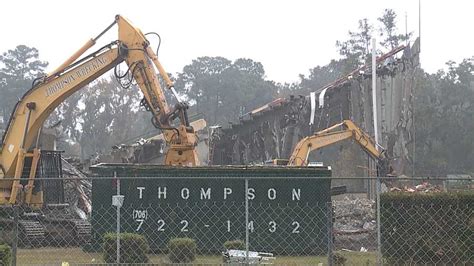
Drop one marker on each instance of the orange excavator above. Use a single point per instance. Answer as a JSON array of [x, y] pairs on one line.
[[20, 153], [334, 134]]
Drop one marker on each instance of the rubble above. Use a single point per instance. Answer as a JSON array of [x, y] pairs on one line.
[[77, 190], [152, 149], [354, 215], [142, 151], [424, 187], [354, 224], [357, 215]]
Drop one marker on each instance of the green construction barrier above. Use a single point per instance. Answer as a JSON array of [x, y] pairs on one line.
[[288, 206]]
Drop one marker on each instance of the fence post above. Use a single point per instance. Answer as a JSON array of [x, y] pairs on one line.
[[379, 239], [16, 215], [246, 221], [330, 233], [118, 219]]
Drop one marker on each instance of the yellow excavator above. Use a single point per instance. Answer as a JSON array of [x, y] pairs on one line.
[[336, 133], [20, 153]]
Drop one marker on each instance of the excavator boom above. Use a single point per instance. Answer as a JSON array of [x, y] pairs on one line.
[[20, 139], [333, 135], [39, 102]]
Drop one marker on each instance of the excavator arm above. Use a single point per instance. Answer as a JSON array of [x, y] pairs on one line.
[[20, 139], [333, 135]]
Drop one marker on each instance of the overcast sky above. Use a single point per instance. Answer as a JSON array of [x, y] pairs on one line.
[[287, 37]]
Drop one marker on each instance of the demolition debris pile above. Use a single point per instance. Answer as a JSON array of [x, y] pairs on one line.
[[424, 187], [354, 215], [354, 223], [357, 215], [77, 189]]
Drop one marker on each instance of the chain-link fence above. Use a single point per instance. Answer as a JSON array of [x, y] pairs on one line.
[[279, 221]]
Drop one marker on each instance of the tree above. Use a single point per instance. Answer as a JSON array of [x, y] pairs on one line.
[[222, 90], [100, 116], [444, 125], [358, 46], [201, 83], [18, 68], [246, 88], [286, 89], [323, 75], [391, 39]]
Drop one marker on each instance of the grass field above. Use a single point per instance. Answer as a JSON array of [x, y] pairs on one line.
[[74, 256]]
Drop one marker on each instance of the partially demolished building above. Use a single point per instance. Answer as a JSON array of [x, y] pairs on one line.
[[272, 130]]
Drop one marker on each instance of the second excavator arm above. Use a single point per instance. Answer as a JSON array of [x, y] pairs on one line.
[[333, 135]]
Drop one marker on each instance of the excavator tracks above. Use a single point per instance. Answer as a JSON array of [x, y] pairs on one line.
[[83, 230], [35, 230], [67, 232], [31, 233]]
